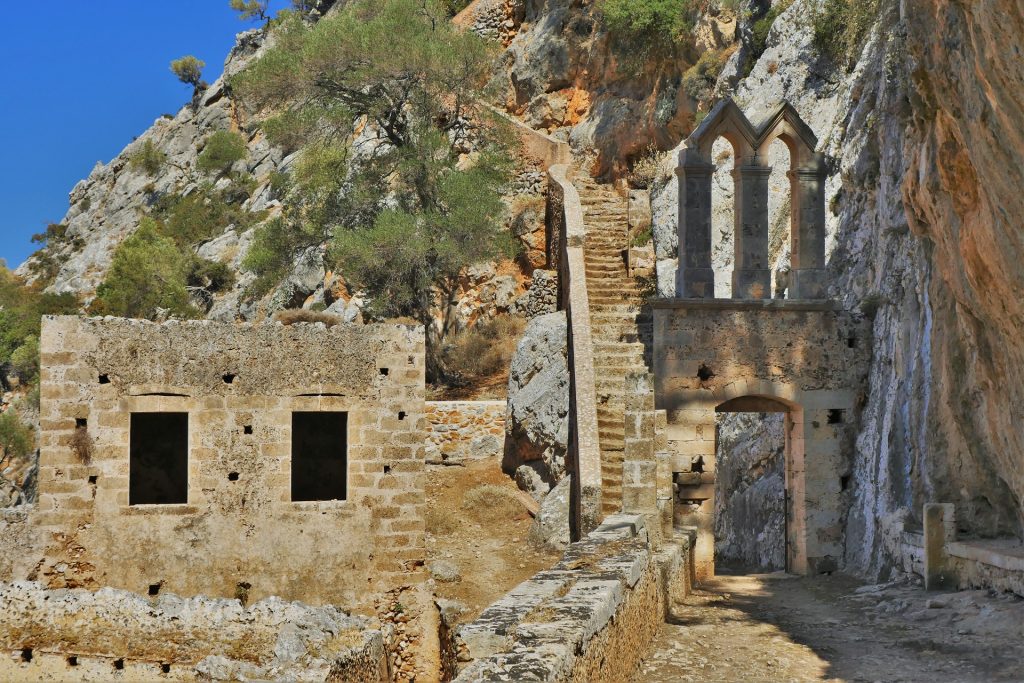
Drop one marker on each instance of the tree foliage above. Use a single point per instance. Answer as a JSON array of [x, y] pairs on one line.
[[16, 438], [147, 278], [251, 9], [21, 309], [189, 70], [386, 177], [221, 150]]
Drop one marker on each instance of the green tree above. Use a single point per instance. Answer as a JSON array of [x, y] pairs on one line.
[[189, 70], [16, 438], [147, 278], [251, 9], [650, 24], [147, 158], [222, 149], [406, 212], [21, 309]]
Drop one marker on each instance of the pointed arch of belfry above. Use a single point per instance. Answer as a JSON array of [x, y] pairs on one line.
[[751, 277]]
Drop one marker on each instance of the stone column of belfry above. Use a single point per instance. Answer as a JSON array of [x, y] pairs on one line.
[[807, 192], [752, 275], [695, 278]]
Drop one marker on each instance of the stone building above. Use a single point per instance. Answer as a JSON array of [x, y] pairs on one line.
[[230, 460]]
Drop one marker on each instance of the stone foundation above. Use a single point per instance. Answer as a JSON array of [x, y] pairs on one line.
[[78, 636]]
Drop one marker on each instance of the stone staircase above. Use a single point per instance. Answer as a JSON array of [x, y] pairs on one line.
[[622, 329]]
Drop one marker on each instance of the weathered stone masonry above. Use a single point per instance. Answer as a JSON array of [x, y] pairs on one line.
[[464, 429], [239, 531]]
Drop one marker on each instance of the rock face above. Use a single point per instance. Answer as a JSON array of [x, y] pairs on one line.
[[550, 528], [750, 489], [537, 416], [925, 137]]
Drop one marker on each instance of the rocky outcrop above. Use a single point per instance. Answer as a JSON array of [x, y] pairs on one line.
[[537, 416], [550, 528], [750, 490]]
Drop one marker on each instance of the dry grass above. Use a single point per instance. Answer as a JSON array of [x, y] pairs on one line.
[[491, 503], [484, 350], [81, 445], [440, 523], [302, 315]]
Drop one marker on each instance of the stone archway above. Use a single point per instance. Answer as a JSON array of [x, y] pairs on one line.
[[801, 357]]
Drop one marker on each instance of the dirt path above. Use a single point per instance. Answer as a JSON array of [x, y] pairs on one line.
[[778, 628]]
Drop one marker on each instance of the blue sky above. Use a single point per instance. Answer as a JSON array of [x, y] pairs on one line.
[[81, 80]]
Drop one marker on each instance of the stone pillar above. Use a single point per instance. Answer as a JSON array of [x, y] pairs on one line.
[[666, 494], [695, 277], [639, 465], [939, 529], [692, 438], [807, 228], [752, 275]]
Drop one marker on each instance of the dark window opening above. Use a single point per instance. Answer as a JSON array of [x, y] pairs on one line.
[[836, 416], [387, 469], [697, 464], [104, 379], [165, 668], [844, 482], [704, 373], [401, 414], [247, 429], [26, 654], [93, 478], [229, 378], [232, 476], [154, 589], [118, 664], [851, 342], [384, 372], [72, 661], [319, 455], [81, 423], [158, 472]]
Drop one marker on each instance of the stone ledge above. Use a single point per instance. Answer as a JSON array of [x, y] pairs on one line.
[[1008, 554], [747, 304]]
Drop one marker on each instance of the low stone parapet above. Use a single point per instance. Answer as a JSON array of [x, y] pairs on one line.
[[461, 430], [590, 617]]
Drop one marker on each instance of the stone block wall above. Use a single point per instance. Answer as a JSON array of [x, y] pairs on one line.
[[461, 430], [806, 359], [239, 531], [591, 617]]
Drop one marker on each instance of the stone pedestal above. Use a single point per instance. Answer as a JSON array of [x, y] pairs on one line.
[[939, 530]]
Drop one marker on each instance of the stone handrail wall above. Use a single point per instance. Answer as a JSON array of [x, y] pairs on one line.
[[591, 617], [544, 148], [949, 562], [566, 229], [462, 430]]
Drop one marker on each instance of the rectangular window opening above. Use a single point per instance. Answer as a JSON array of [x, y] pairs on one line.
[[158, 471], [319, 456]]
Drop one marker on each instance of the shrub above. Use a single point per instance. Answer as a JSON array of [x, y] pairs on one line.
[[17, 439], [146, 279], [251, 9], [25, 360], [763, 26], [302, 315], [655, 23], [645, 168], [484, 350], [81, 445], [147, 158], [222, 149], [212, 276], [699, 80], [493, 504], [189, 70], [21, 308], [841, 27], [200, 215]]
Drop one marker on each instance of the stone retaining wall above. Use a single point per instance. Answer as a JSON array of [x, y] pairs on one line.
[[463, 430], [77, 635], [591, 617]]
